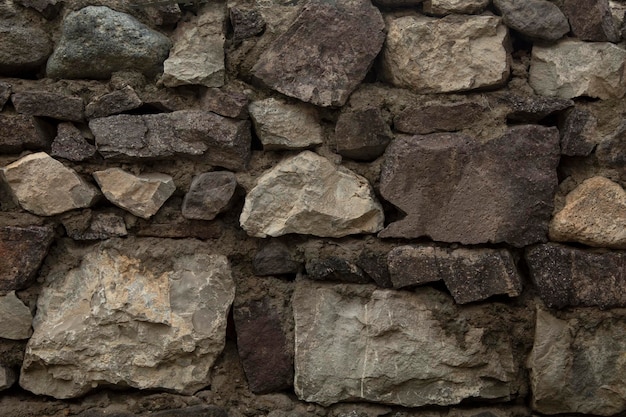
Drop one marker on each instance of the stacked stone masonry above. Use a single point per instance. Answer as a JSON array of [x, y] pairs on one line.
[[309, 208]]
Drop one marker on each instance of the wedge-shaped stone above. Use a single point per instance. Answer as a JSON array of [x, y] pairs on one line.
[[359, 342], [307, 194], [142, 313], [16, 318], [44, 186], [419, 55]]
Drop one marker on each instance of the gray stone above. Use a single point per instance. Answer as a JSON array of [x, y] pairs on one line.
[[97, 41], [16, 318], [307, 194], [611, 152], [48, 8], [90, 225], [374, 264], [456, 189], [246, 23], [5, 93], [115, 102], [47, 104], [533, 109], [225, 103], [436, 65], [281, 125], [536, 19], [577, 366], [141, 313], [578, 132], [555, 70], [275, 258], [222, 142], [438, 117], [71, 144], [209, 194], [142, 195], [445, 7], [591, 20], [594, 214], [7, 378], [23, 49], [570, 277], [362, 135], [335, 269], [358, 342], [20, 132], [45, 187], [308, 63], [197, 57]]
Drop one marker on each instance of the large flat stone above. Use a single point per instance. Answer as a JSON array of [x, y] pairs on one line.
[[16, 318], [48, 104]]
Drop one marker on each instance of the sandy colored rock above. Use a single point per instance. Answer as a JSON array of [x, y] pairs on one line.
[[16, 318], [536, 19], [445, 7]]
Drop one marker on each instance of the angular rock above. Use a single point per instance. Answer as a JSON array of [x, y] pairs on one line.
[[23, 49], [594, 214], [591, 20], [95, 43], [209, 194], [577, 366], [22, 250], [142, 195], [275, 258], [222, 142], [374, 264], [307, 194], [45, 187], [414, 265], [7, 378], [5, 93], [71, 144], [555, 70], [362, 135], [445, 7], [48, 8], [438, 117], [115, 102], [532, 109], [308, 63], [578, 132], [335, 269], [16, 318], [246, 23], [357, 342], [91, 225], [197, 57], [21, 132], [570, 277], [456, 189], [280, 125], [141, 313], [47, 104], [536, 19], [436, 65], [225, 103], [611, 152]]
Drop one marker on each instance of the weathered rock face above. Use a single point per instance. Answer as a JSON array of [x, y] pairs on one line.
[[554, 69], [611, 152], [225, 103], [334, 268], [357, 342], [578, 133], [246, 23], [210, 194], [7, 378], [23, 49], [452, 188], [591, 20], [307, 194], [70, 144], [532, 109], [435, 117], [5, 93], [91, 225], [280, 125], [223, 142], [142, 313], [48, 8], [198, 53], [576, 364], [44, 186], [53, 105], [16, 318], [95, 43], [362, 135], [537, 19], [568, 276], [445, 7], [308, 63], [142, 195], [594, 214], [115, 102], [418, 53], [275, 258], [21, 132]]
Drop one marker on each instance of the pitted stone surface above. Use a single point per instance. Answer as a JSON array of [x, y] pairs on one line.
[[578, 132], [53, 105], [21, 132], [115, 102], [70, 144], [23, 49]]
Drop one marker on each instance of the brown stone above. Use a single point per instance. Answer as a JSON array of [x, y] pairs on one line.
[[71, 144], [374, 264], [578, 131], [209, 194], [225, 103], [438, 117], [115, 102], [611, 152], [47, 104], [5, 93], [20, 132], [535, 19], [23, 49], [532, 109], [591, 20], [362, 135], [275, 258], [90, 225]]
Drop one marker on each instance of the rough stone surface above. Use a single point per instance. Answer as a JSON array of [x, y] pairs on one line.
[[44, 186], [5, 93], [142, 195], [335, 269], [611, 151], [91, 225], [567, 276], [48, 8], [47, 104], [438, 117], [275, 258], [456, 189], [374, 264], [577, 366], [7, 378], [22, 250], [578, 132], [70, 144], [222, 142], [414, 265], [308, 63], [225, 103], [198, 54], [307, 194], [594, 214], [115, 102], [397, 3], [246, 23], [536, 19], [21, 132], [362, 135], [142, 313], [555, 69], [209, 194], [97, 41], [532, 109], [281, 125], [433, 64], [358, 342], [591, 20], [445, 7], [23, 49], [16, 318]]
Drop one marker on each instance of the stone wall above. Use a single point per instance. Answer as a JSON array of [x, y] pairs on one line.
[[312, 208]]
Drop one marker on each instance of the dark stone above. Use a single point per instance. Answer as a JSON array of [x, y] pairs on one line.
[[570, 277], [22, 250], [309, 63], [170, 223], [12, 352], [48, 8], [21, 132], [89, 225], [374, 264], [457, 189], [274, 259], [591, 20], [362, 135], [70, 144], [536, 19], [413, 265], [23, 49], [193, 411], [222, 142], [532, 109], [225, 103], [577, 132], [105, 413], [5, 93], [209, 194], [438, 117], [397, 3], [335, 269], [611, 152], [246, 23], [115, 102], [263, 346], [53, 105]]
